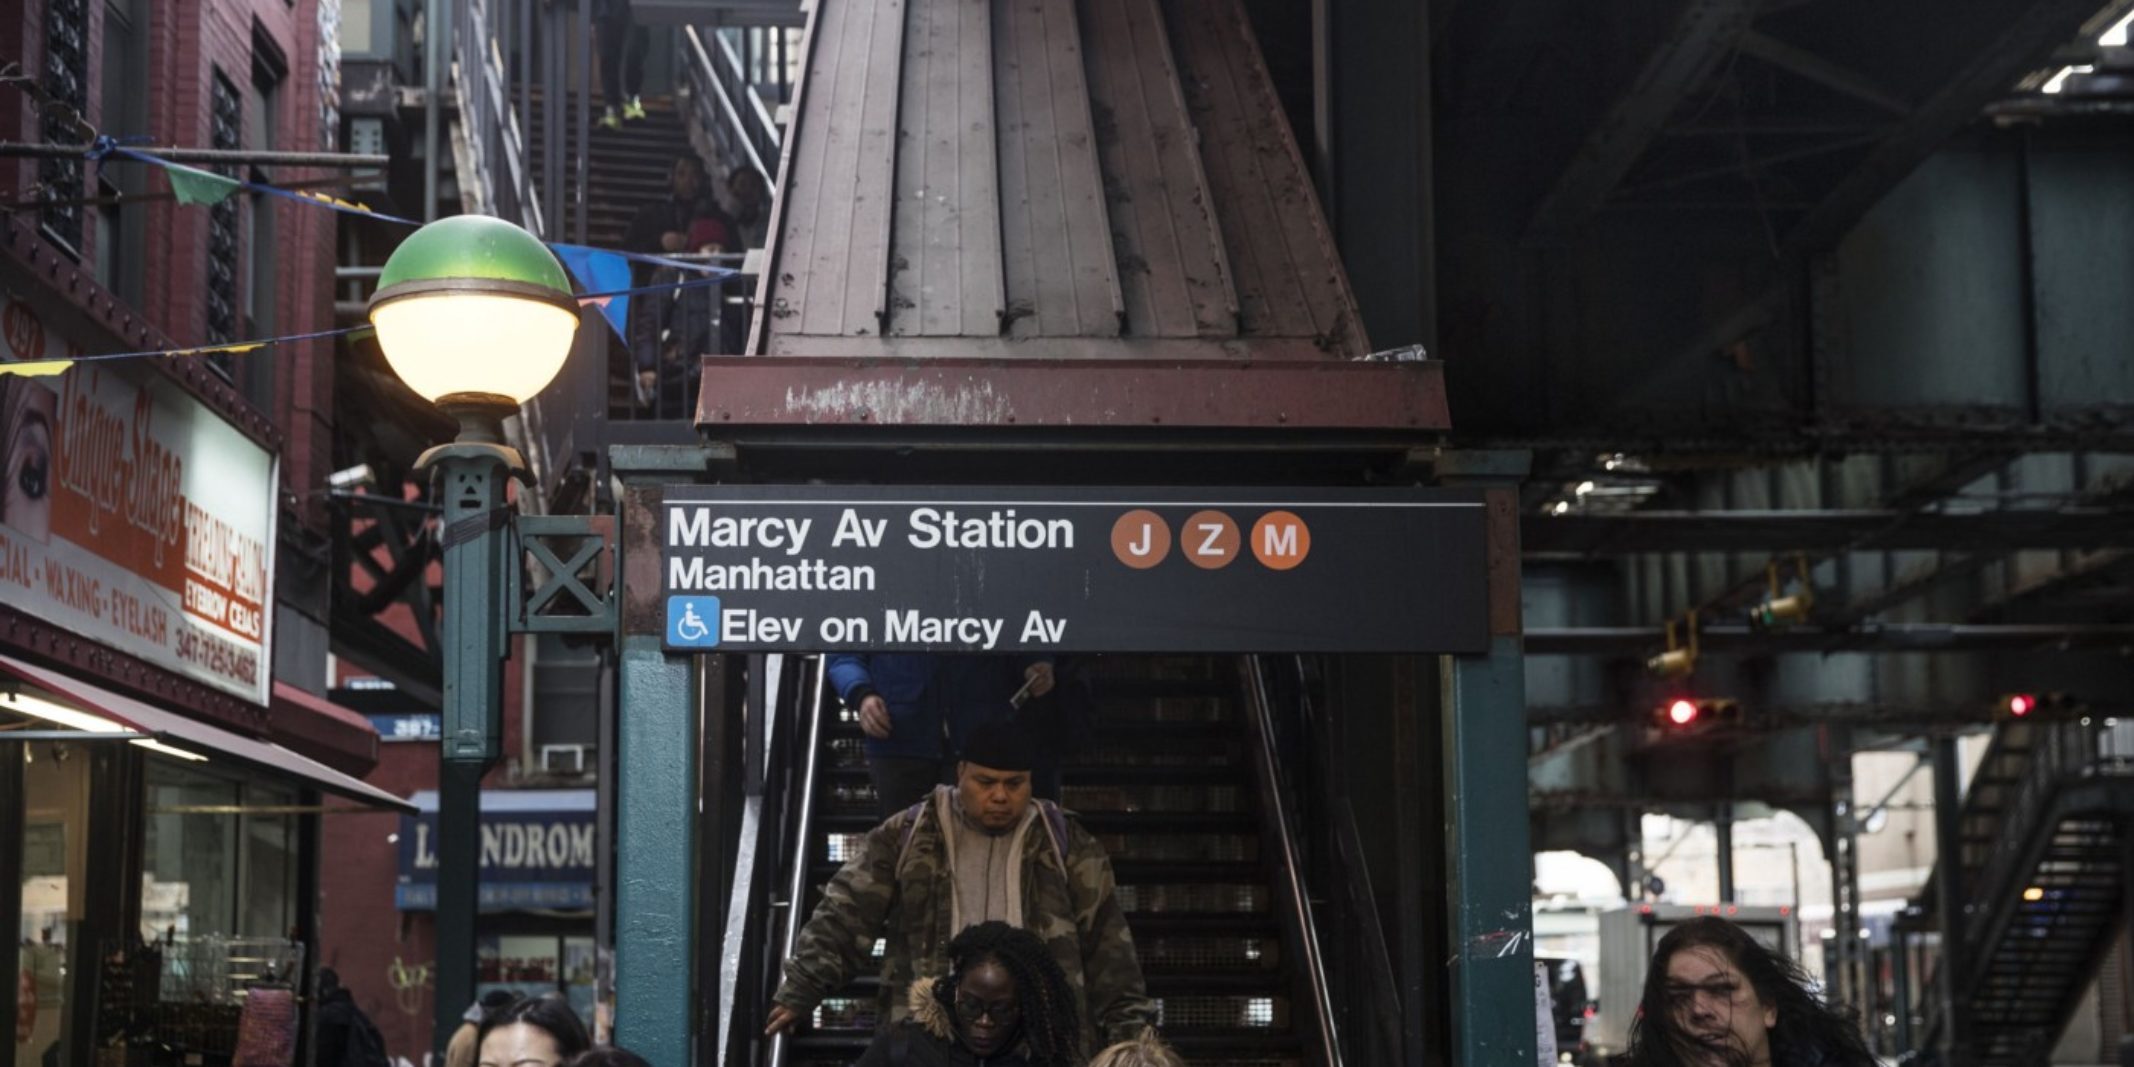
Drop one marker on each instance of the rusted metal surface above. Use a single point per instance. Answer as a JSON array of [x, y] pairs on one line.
[[1288, 274], [1172, 270], [1308, 394], [946, 278], [643, 611], [1021, 180]]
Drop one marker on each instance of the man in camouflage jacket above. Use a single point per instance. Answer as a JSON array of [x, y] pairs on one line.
[[902, 887]]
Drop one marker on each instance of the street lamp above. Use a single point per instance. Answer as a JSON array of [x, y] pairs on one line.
[[476, 315]]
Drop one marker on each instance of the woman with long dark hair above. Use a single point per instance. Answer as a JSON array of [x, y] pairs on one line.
[[538, 1031], [1715, 997], [1004, 1003]]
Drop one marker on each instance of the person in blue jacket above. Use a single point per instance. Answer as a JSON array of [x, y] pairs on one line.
[[910, 704]]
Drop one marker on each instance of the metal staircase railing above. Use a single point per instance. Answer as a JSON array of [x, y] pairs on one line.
[[2044, 835], [1297, 915], [726, 108], [492, 139]]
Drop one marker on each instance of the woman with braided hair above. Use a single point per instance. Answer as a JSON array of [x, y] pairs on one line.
[[1004, 1003]]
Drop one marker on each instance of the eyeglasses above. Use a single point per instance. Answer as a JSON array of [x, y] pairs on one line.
[[973, 1010]]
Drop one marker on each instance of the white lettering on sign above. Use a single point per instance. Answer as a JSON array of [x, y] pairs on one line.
[[693, 574], [519, 845], [909, 627], [1211, 533], [931, 528], [853, 530], [698, 528], [742, 624], [1039, 628]]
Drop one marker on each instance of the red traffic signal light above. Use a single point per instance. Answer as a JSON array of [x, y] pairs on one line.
[[2049, 705], [1683, 712]]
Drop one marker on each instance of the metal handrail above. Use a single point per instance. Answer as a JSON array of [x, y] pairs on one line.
[[2061, 753], [496, 144], [763, 129], [704, 78], [1292, 881], [803, 830]]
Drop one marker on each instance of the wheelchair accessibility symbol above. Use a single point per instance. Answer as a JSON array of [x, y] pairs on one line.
[[693, 621]]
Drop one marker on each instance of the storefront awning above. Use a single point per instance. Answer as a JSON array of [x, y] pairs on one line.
[[199, 738]]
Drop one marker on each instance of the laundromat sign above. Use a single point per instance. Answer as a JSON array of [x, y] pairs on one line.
[[133, 515], [818, 568]]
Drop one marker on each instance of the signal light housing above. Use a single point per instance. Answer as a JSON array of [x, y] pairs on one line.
[[1683, 714], [2021, 707]]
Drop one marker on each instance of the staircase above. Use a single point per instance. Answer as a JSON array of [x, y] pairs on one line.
[[2043, 854], [1167, 785], [627, 168]]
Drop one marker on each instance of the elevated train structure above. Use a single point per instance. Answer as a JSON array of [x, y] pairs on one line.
[[1718, 302]]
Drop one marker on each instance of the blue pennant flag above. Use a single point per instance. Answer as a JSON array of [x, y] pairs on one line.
[[599, 271]]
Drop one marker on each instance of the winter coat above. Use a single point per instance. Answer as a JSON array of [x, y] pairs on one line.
[[904, 893]]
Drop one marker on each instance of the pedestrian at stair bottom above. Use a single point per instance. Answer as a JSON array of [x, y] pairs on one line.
[[1716, 997], [910, 703], [976, 852], [1003, 1003], [622, 61]]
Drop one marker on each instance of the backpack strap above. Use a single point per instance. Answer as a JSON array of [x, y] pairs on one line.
[[1055, 821], [912, 815]]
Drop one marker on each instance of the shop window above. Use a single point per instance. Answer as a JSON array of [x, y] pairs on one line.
[[210, 867], [531, 965], [270, 68], [55, 809], [66, 77], [225, 131], [122, 229]]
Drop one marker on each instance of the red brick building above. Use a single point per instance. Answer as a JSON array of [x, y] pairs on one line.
[[164, 530]]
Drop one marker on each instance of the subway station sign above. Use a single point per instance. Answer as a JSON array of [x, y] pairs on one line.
[[903, 568]]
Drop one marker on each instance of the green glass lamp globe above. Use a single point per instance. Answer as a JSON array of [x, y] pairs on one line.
[[474, 312]]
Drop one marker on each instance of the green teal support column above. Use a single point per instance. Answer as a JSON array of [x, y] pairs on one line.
[[655, 793], [657, 715], [1489, 857], [1488, 841]]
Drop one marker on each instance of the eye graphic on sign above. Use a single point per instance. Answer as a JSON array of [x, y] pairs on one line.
[[1281, 540], [1141, 539], [1209, 539]]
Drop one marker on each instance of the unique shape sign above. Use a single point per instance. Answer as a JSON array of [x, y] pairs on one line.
[[1050, 569]]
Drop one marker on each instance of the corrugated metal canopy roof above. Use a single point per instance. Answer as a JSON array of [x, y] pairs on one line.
[[1047, 178]]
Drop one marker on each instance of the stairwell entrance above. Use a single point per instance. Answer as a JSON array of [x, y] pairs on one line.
[[1317, 819]]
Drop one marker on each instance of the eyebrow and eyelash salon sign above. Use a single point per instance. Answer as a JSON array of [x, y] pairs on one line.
[[133, 515], [903, 568]]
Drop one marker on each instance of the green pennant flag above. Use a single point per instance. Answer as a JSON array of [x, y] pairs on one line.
[[200, 187]]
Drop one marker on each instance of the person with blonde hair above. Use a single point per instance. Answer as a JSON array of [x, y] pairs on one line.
[[1148, 1050]]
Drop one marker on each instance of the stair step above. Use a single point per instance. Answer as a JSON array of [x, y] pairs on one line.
[[1132, 872]]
